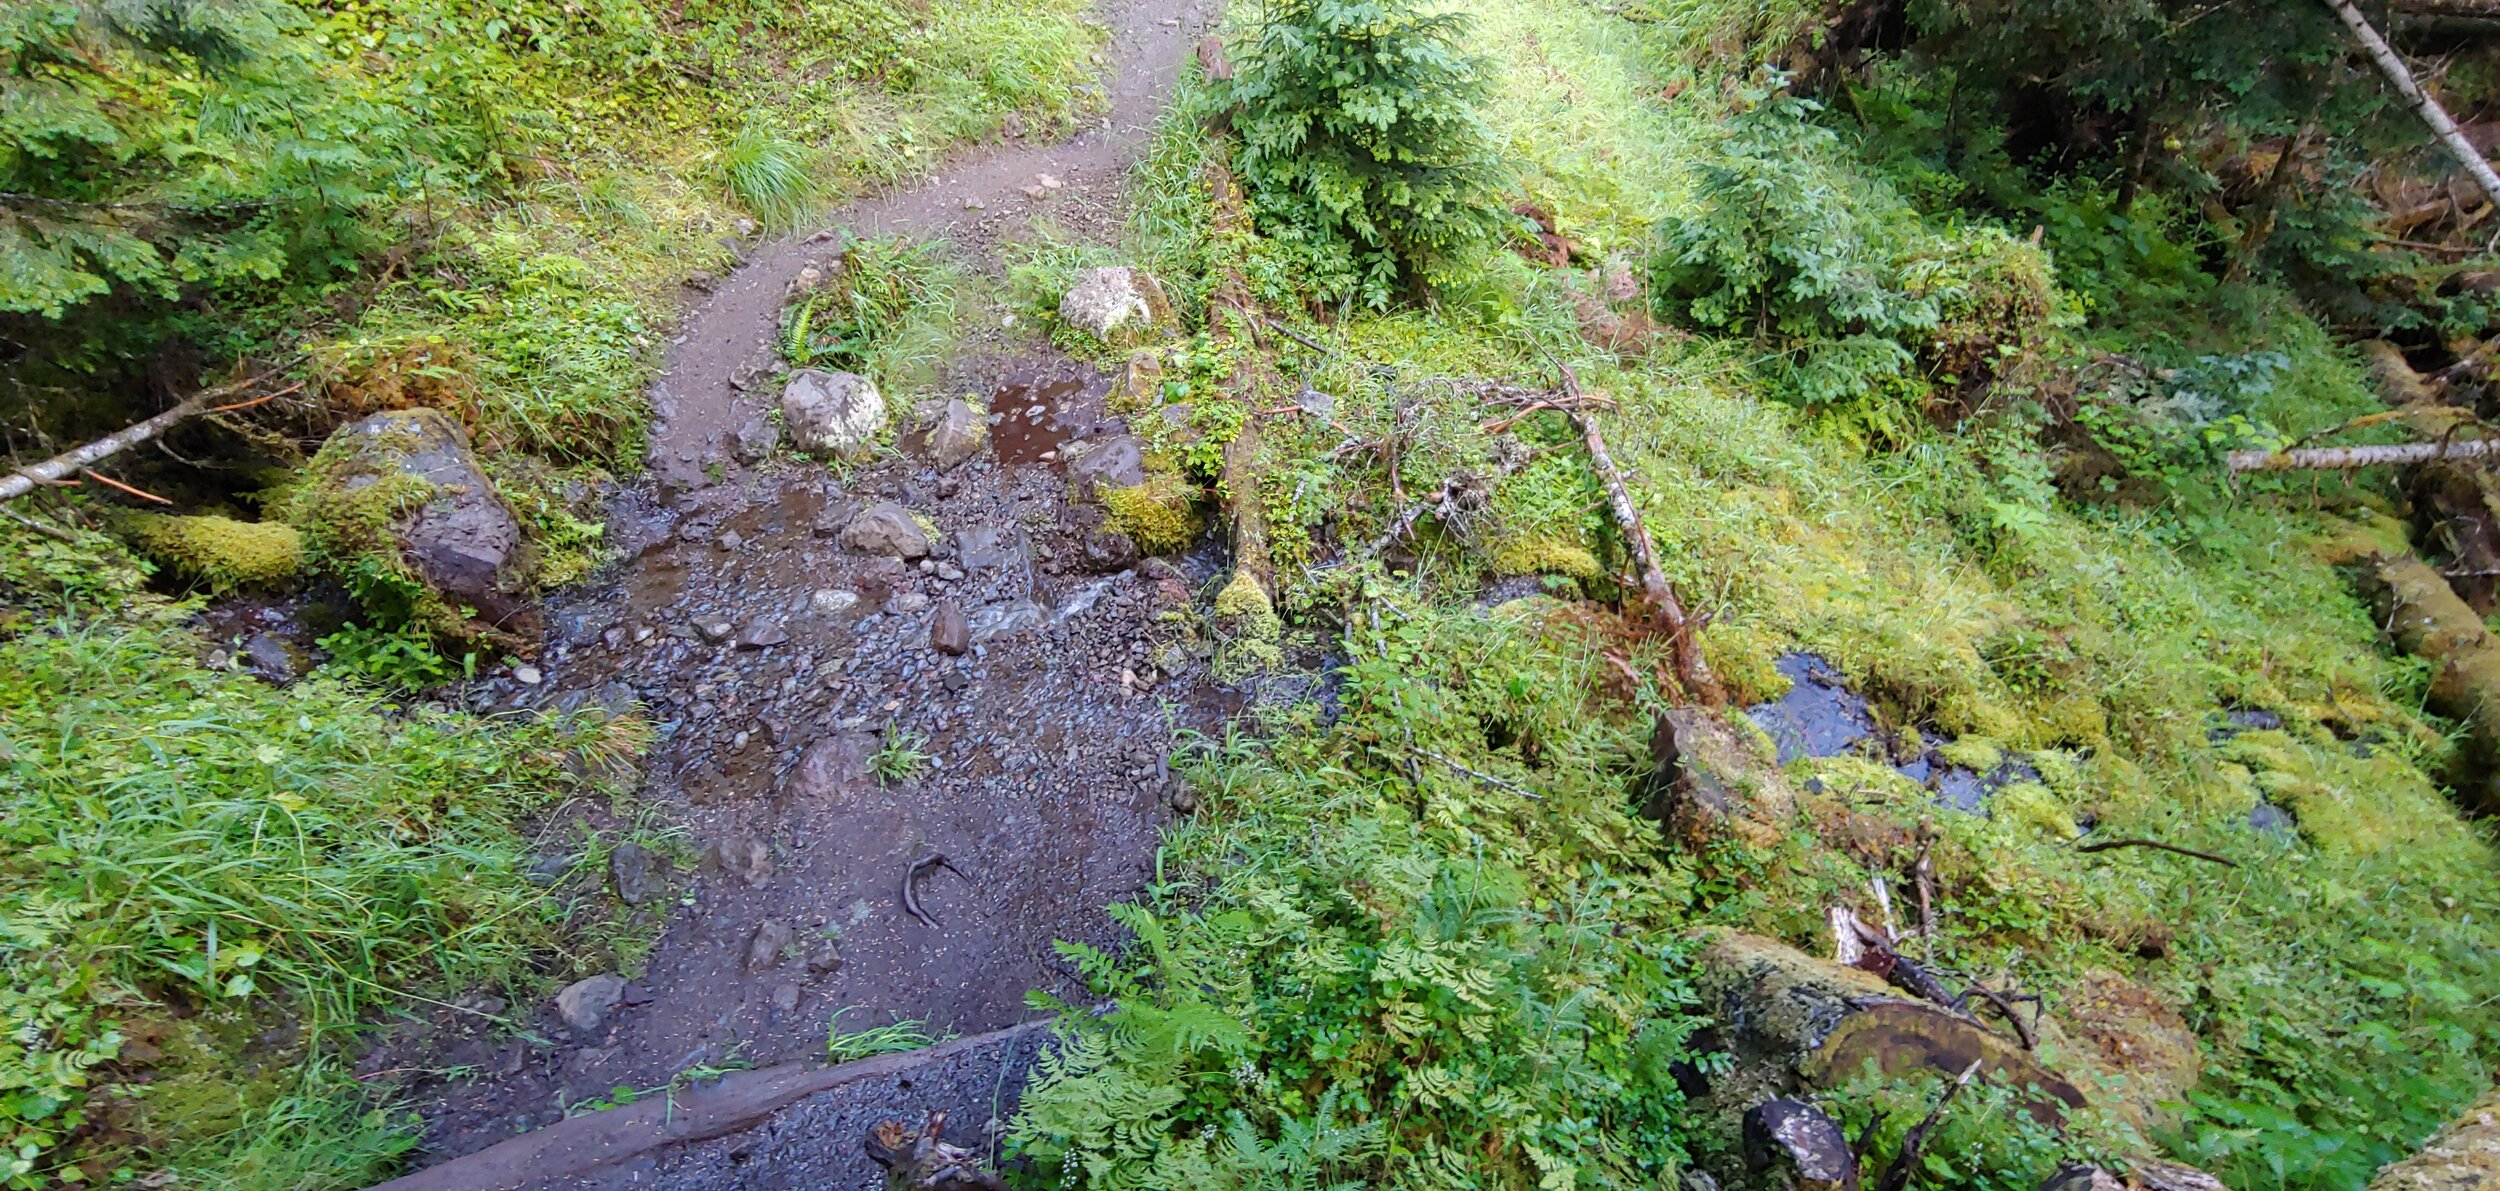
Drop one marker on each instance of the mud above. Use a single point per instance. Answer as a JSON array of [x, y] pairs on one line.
[[779, 666]]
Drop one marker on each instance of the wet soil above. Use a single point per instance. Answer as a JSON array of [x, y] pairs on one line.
[[779, 666]]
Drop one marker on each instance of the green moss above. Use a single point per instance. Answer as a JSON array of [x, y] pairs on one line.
[[1160, 515], [220, 551], [1245, 608], [1976, 753], [1542, 554], [2031, 805], [1746, 659]]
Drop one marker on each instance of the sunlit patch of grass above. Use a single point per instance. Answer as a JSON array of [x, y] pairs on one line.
[[766, 174]]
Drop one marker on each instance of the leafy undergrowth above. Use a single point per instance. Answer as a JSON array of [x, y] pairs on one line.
[[1423, 941], [210, 886]]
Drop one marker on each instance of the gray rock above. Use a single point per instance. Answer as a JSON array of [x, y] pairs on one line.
[[764, 946], [949, 632], [714, 629], [886, 529], [831, 601], [763, 633], [908, 603], [629, 870], [1792, 1144], [1109, 550], [786, 996], [824, 959], [757, 439], [585, 1004], [744, 857], [986, 546], [1117, 305], [1116, 462], [840, 765], [835, 413], [463, 542], [1008, 619], [957, 435], [272, 658]]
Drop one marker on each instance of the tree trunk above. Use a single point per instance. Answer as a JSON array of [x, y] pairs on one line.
[[2423, 105], [2428, 620], [1691, 669], [1248, 602], [2347, 458]]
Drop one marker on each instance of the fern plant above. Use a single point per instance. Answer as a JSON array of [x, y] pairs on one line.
[[1361, 147]]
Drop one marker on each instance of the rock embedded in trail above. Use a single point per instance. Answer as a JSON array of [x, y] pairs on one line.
[[764, 946], [1108, 550], [831, 602], [837, 765], [629, 871], [949, 632], [744, 857], [886, 529], [756, 440], [1120, 306], [585, 1004], [834, 413], [986, 546], [763, 632], [957, 435]]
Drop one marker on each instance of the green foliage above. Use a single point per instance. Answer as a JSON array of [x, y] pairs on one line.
[[1371, 969], [1361, 146], [894, 1037], [404, 657], [887, 312], [902, 757], [176, 833], [767, 175], [1985, 1141]]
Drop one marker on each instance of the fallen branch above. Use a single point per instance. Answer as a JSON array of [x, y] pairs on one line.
[[1691, 669], [2107, 845], [1897, 1173], [59, 467], [2450, 136], [2346, 458], [110, 482], [1499, 783]]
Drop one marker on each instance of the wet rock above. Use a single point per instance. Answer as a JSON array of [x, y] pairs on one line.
[[833, 767], [835, 413], [1002, 620], [763, 633], [1116, 305], [463, 542], [1109, 550], [786, 996], [272, 658], [764, 946], [886, 529], [949, 632], [629, 872], [987, 546], [714, 629], [585, 1004], [756, 440], [1790, 1144], [831, 602], [1115, 462], [744, 857], [958, 434]]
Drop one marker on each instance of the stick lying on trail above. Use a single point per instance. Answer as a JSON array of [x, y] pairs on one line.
[[911, 901]]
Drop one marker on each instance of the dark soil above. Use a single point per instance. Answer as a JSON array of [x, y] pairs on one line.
[[776, 663]]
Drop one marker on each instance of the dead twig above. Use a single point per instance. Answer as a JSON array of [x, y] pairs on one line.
[[1897, 1173], [2109, 845], [109, 481], [1297, 336], [81, 458], [911, 901], [1499, 783]]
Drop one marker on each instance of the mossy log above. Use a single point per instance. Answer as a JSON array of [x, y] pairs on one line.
[[2466, 1154], [1248, 604], [2429, 620]]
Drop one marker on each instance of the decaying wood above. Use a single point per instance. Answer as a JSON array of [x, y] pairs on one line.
[[1231, 313], [1897, 1173], [2107, 845], [918, 1161], [1691, 669], [2401, 77], [2429, 620]]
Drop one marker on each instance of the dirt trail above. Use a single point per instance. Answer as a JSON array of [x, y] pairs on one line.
[[775, 664]]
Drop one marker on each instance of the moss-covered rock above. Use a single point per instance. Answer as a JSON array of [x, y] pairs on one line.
[[220, 552], [397, 507], [1160, 515]]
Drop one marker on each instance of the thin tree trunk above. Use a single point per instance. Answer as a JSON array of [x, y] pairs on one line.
[[1691, 669], [2423, 105], [2347, 458]]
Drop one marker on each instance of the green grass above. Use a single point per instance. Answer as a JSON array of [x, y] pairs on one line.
[[221, 885], [1264, 1024], [895, 1037], [767, 175]]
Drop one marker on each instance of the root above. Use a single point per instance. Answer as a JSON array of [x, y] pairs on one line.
[[911, 900]]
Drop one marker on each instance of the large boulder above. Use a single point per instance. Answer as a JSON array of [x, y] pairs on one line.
[[1118, 306], [886, 529], [1106, 463], [832, 413], [1791, 1145], [402, 492]]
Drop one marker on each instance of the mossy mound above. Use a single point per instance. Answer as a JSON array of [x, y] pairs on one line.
[[1159, 515], [221, 552], [1543, 554]]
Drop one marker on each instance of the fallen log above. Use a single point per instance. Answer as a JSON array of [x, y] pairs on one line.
[[1247, 604], [2347, 458], [2429, 620]]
